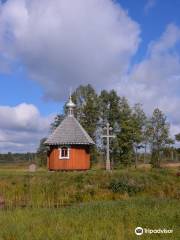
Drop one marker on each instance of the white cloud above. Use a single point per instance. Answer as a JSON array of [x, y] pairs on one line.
[[167, 41], [155, 81], [21, 127], [65, 43], [149, 5]]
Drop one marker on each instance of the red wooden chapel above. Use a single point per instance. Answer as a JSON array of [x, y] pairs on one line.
[[69, 144]]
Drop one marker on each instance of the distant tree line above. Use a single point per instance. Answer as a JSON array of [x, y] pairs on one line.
[[17, 157], [135, 132]]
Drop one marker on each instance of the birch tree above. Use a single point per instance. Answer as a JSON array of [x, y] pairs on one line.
[[159, 136]]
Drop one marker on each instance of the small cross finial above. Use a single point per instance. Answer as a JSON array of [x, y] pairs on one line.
[[70, 92]]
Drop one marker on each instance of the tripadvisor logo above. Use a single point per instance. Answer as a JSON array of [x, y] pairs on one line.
[[139, 231]]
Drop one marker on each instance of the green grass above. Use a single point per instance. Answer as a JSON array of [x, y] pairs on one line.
[[55, 189], [88, 205], [111, 220]]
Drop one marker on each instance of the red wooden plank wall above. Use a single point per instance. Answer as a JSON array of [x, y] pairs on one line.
[[79, 159]]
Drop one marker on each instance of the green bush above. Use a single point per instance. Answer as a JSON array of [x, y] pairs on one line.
[[125, 186]]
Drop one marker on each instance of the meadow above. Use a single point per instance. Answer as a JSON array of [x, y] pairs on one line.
[[88, 205]]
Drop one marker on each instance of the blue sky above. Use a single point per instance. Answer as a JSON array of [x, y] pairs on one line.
[[37, 69], [21, 88], [18, 88], [153, 21]]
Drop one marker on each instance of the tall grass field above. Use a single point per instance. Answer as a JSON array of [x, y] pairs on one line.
[[89, 205]]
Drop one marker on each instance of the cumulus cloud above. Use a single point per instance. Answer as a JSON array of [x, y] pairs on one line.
[[21, 127], [65, 43], [156, 79]]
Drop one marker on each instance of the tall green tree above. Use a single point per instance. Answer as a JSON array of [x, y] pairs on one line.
[[139, 118], [87, 108], [138, 124], [159, 136], [87, 113], [109, 107], [126, 134]]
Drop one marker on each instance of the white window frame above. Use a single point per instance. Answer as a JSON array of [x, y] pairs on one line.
[[60, 153]]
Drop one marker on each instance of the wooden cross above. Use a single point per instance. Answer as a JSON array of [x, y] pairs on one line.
[[108, 136]]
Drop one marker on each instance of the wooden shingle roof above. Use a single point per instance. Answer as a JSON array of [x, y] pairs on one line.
[[69, 132]]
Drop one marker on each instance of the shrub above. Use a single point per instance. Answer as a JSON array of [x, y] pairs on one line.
[[125, 186]]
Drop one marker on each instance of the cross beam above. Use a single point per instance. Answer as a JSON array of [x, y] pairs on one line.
[[108, 136]]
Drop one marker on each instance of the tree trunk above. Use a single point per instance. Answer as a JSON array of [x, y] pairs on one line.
[[136, 157], [145, 154]]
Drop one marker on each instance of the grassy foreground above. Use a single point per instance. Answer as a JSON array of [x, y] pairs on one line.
[[88, 205], [112, 220], [56, 189]]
